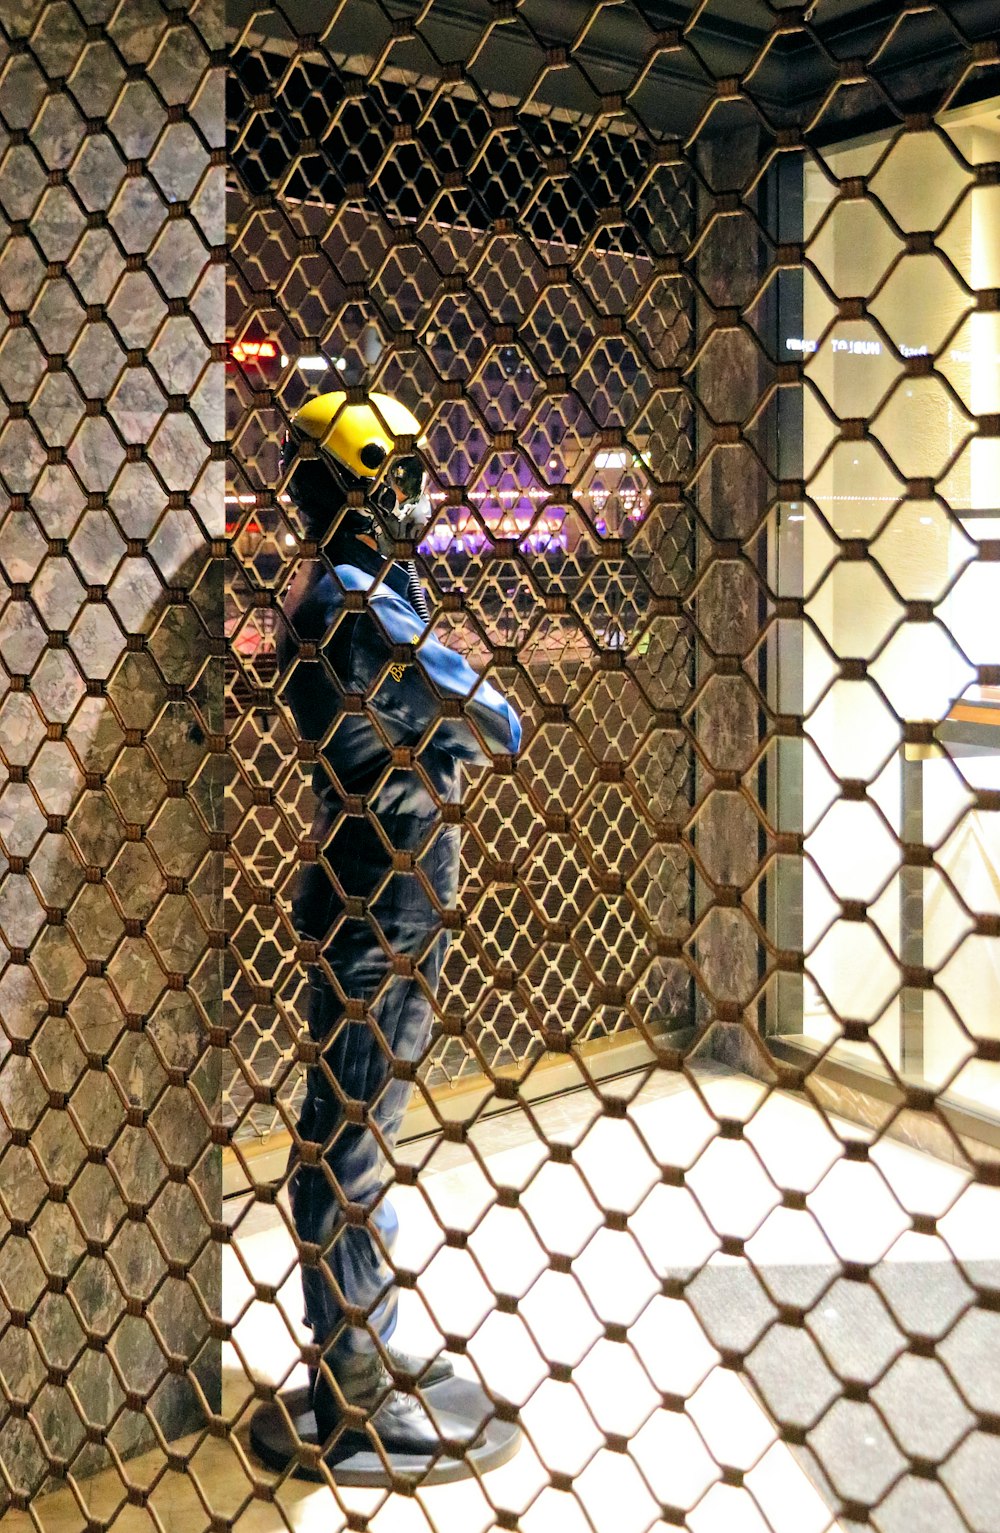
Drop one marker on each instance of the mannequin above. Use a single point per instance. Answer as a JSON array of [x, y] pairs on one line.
[[372, 1024]]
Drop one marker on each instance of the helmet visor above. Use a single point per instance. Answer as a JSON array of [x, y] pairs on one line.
[[408, 478], [401, 501]]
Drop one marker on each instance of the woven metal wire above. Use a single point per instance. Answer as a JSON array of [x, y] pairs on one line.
[[112, 188], [699, 305]]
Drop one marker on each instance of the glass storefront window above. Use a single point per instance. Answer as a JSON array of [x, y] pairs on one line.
[[898, 611]]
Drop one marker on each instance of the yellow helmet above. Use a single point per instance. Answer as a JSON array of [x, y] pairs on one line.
[[359, 436]]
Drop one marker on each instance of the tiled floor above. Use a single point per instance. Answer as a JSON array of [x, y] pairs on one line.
[[852, 1209]]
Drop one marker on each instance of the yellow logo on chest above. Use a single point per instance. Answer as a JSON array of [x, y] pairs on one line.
[[398, 668]]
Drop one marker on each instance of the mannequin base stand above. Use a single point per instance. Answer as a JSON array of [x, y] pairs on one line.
[[281, 1439]]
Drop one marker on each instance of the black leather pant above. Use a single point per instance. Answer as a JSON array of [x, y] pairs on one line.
[[340, 1204]]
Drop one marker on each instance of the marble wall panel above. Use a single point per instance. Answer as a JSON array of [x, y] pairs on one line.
[[111, 194], [732, 491]]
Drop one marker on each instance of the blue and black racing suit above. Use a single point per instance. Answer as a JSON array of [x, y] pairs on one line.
[[362, 674]]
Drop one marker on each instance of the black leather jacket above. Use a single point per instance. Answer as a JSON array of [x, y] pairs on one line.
[[383, 681]]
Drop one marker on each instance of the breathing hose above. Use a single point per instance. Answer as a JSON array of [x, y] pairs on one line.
[[417, 598]]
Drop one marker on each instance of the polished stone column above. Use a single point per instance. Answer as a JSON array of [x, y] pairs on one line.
[[110, 667], [732, 494]]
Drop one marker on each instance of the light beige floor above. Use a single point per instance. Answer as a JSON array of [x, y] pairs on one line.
[[860, 1210]]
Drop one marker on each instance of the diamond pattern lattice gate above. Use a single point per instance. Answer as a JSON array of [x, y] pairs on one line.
[[698, 308], [111, 486], [562, 620], [699, 311]]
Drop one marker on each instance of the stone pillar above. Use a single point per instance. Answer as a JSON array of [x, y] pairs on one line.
[[110, 668], [732, 496]]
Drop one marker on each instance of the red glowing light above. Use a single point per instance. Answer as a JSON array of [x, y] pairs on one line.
[[253, 351]]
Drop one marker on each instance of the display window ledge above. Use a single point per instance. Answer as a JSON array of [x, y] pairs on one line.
[[844, 1085], [263, 1161]]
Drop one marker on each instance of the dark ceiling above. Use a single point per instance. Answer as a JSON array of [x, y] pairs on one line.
[[787, 65]]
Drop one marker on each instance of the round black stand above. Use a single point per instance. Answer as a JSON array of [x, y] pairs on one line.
[[280, 1439]]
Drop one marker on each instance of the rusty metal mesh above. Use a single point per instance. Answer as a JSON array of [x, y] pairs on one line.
[[699, 305]]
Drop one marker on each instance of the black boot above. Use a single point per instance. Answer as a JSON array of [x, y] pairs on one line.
[[407, 1368], [400, 1419], [425, 1371]]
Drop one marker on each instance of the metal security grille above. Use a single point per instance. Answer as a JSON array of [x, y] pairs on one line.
[[111, 734], [530, 333], [699, 306]]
